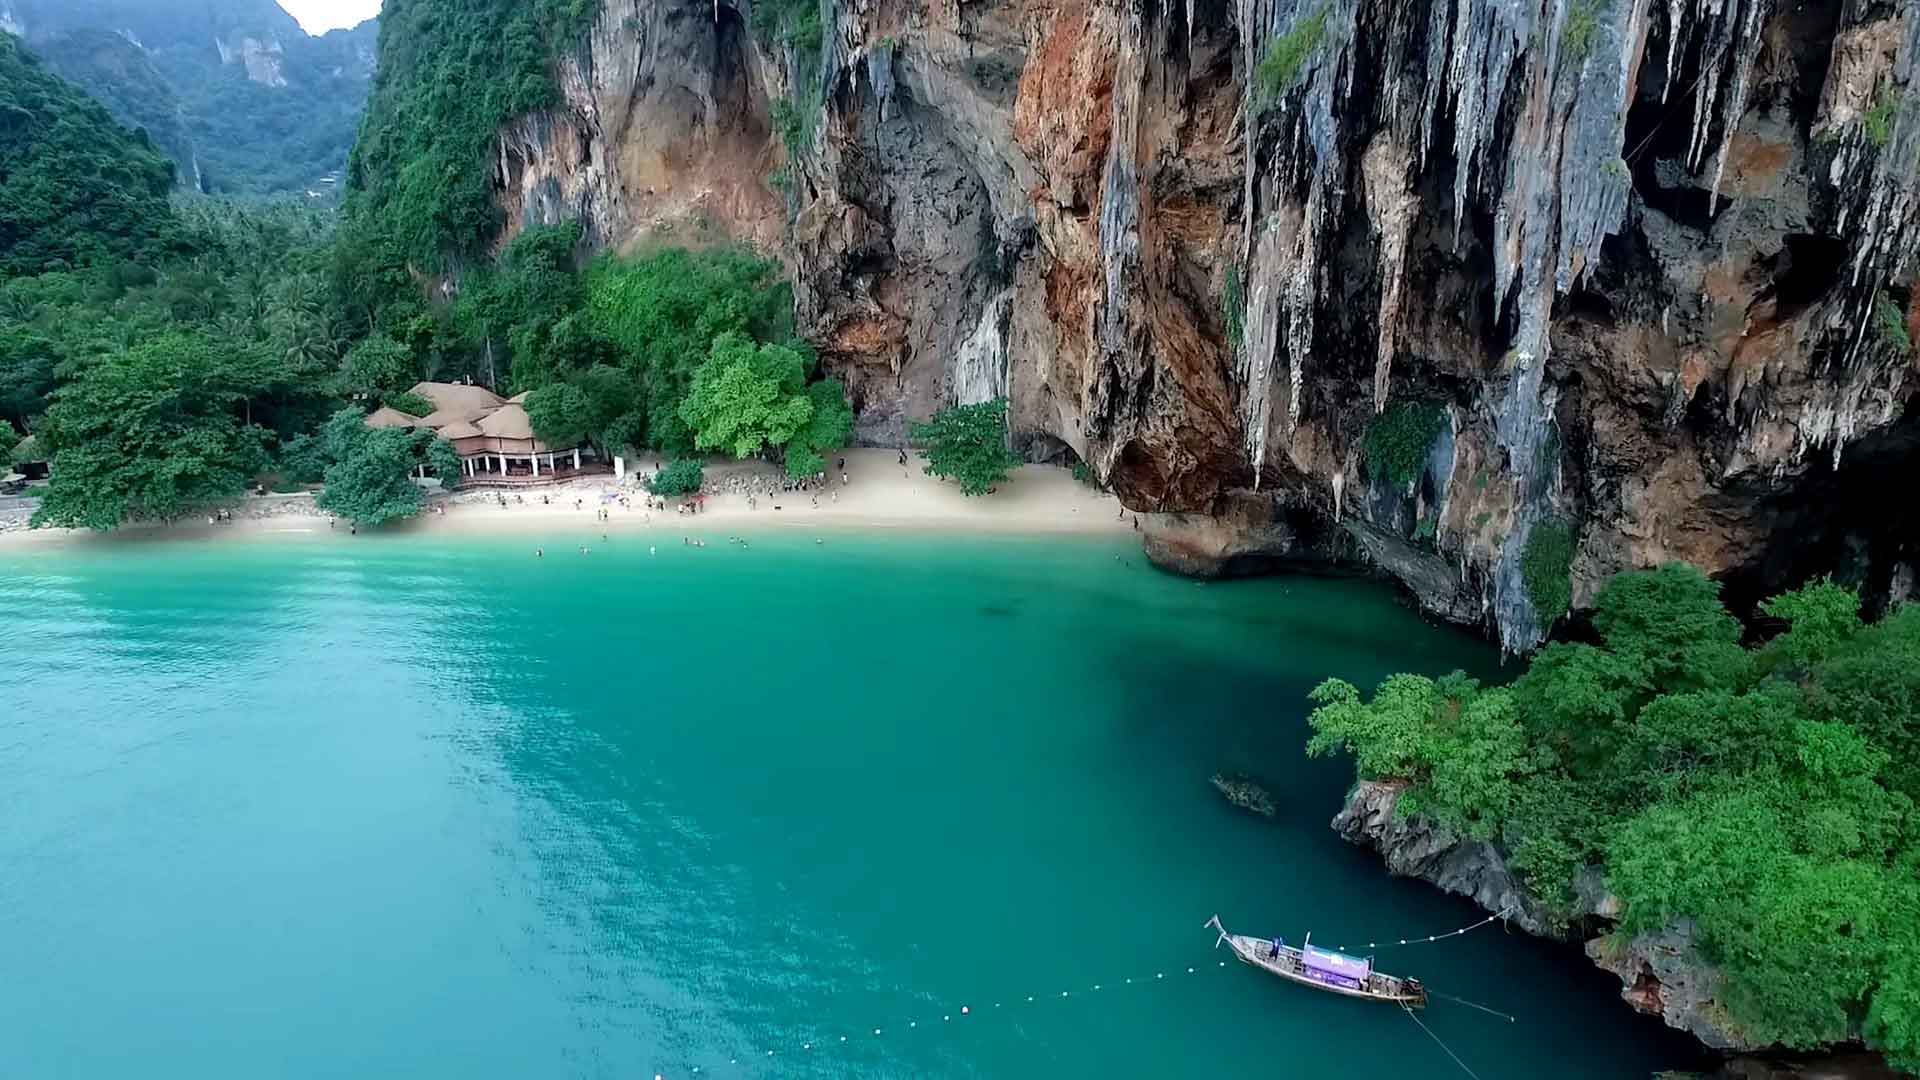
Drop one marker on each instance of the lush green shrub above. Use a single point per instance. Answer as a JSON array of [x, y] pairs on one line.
[[1287, 54], [794, 23], [370, 478], [1581, 28], [747, 397], [827, 429], [1233, 309], [795, 125], [683, 477], [1877, 121], [302, 460], [968, 444], [1398, 439], [1890, 324], [407, 402], [664, 311], [1546, 569]]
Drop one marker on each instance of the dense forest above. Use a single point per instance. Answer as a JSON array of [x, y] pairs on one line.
[[242, 100], [1765, 792]]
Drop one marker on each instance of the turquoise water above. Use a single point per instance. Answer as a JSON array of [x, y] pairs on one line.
[[439, 809]]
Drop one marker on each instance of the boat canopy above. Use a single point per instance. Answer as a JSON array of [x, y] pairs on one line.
[[1336, 963]]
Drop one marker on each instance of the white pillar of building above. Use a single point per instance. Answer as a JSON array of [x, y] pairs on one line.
[[536, 464], [576, 459]]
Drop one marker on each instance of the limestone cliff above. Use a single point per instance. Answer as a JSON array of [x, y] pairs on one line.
[[1652, 258]]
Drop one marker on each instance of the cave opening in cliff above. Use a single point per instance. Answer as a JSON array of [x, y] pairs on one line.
[[1658, 134], [1807, 267], [1847, 521]]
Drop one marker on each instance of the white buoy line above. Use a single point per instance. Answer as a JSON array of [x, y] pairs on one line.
[[818, 1044]]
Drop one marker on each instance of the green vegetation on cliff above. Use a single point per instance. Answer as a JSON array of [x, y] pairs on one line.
[[1767, 793], [1398, 439], [76, 189], [1287, 54], [1546, 568], [451, 73]]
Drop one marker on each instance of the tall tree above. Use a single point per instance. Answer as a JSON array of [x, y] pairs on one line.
[[968, 445], [155, 432], [747, 397]]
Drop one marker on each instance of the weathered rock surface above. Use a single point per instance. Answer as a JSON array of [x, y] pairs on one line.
[[1416, 847], [1662, 974], [1652, 257]]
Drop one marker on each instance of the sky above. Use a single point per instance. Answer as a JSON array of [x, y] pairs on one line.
[[320, 16]]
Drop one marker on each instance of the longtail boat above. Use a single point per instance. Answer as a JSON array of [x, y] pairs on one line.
[[1321, 969]]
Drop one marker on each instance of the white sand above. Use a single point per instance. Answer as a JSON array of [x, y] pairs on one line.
[[878, 494]]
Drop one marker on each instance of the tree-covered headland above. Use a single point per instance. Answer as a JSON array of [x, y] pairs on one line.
[[1764, 791]]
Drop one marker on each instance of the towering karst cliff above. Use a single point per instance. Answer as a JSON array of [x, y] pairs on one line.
[[1623, 281]]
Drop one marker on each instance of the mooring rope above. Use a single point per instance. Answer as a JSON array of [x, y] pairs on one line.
[[1501, 914], [1473, 1005], [1443, 1046]]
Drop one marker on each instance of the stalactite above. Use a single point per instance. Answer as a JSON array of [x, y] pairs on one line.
[[1392, 207], [1519, 109]]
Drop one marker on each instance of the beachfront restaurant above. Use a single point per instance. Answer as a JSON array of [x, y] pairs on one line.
[[493, 435]]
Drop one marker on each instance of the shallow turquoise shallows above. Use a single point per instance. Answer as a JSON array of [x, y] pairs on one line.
[[423, 808]]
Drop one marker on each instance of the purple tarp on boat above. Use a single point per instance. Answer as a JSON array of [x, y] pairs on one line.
[[1339, 965]]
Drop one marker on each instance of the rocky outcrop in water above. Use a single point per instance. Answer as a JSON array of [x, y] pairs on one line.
[[1662, 974], [1416, 847], [1652, 260]]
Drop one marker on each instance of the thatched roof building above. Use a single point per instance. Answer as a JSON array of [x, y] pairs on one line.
[[490, 433]]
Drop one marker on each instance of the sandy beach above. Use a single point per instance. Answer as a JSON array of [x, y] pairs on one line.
[[878, 494]]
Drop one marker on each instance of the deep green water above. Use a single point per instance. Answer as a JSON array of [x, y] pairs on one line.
[[408, 807]]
